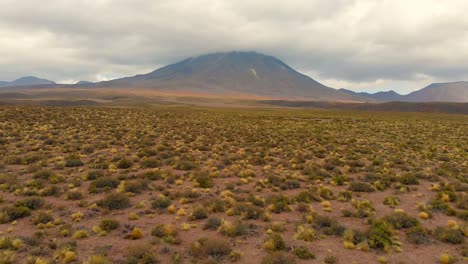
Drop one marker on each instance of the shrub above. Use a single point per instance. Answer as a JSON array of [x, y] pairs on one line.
[[235, 229], [42, 218], [109, 224], [305, 233], [161, 202], [204, 180], [216, 249], [446, 258], [32, 203], [303, 253], [80, 234], [198, 213], [43, 174], [96, 259], [418, 235], [328, 225], [93, 175], [140, 254], [133, 186], [163, 230], [136, 234], [278, 258], [408, 179], [274, 243], [279, 203], [213, 223], [102, 184], [391, 201], [449, 235], [73, 161], [357, 186], [124, 164], [380, 235], [74, 195], [115, 201], [12, 213], [401, 220], [150, 163]]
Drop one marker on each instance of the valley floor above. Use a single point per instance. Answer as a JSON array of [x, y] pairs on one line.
[[206, 185]]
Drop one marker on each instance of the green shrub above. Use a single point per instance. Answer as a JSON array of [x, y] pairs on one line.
[[328, 225], [140, 254], [74, 195], [136, 186], [73, 161], [114, 201], [43, 174], [391, 201], [198, 214], [150, 163], [408, 179], [109, 224], [93, 175], [204, 180], [357, 186], [32, 203], [12, 213], [401, 220], [103, 184], [303, 253], [216, 249], [418, 235], [274, 243], [380, 235], [449, 235], [213, 223], [278, 258], [161, 202], [42, 217], [124, 164]]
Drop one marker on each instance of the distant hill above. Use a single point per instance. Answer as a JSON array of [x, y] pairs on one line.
[[82, 83], [246, 73], [387, 96], [436, 92], [26, 81], [440, 92]]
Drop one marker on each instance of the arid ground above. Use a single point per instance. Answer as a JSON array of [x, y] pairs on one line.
[[206, 185]]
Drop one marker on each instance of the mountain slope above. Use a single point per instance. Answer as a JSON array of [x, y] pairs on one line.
[[440, 92], [26, 81], [247, 73]]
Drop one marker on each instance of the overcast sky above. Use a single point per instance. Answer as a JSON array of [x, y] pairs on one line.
[[364, 45]]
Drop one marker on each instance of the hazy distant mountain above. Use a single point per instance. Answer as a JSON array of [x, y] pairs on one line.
[[26, 81], [82, 82], [436, 92], [387, 96], [247, 73], [440, 92]]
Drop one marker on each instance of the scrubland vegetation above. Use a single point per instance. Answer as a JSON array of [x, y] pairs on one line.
[[187, 185]]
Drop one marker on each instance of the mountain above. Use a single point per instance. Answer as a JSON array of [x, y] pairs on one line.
[[436, 92], [83, 82], [440, 92], [26, 81], [387, 96], [234, 73]]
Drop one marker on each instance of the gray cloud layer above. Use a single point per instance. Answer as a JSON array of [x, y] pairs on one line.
[[359, 44]]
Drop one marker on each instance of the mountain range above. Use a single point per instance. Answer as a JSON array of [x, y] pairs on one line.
[[251, 74], [26, 81]]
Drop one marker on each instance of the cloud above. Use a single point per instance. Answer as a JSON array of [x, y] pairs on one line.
[[357, 43]]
